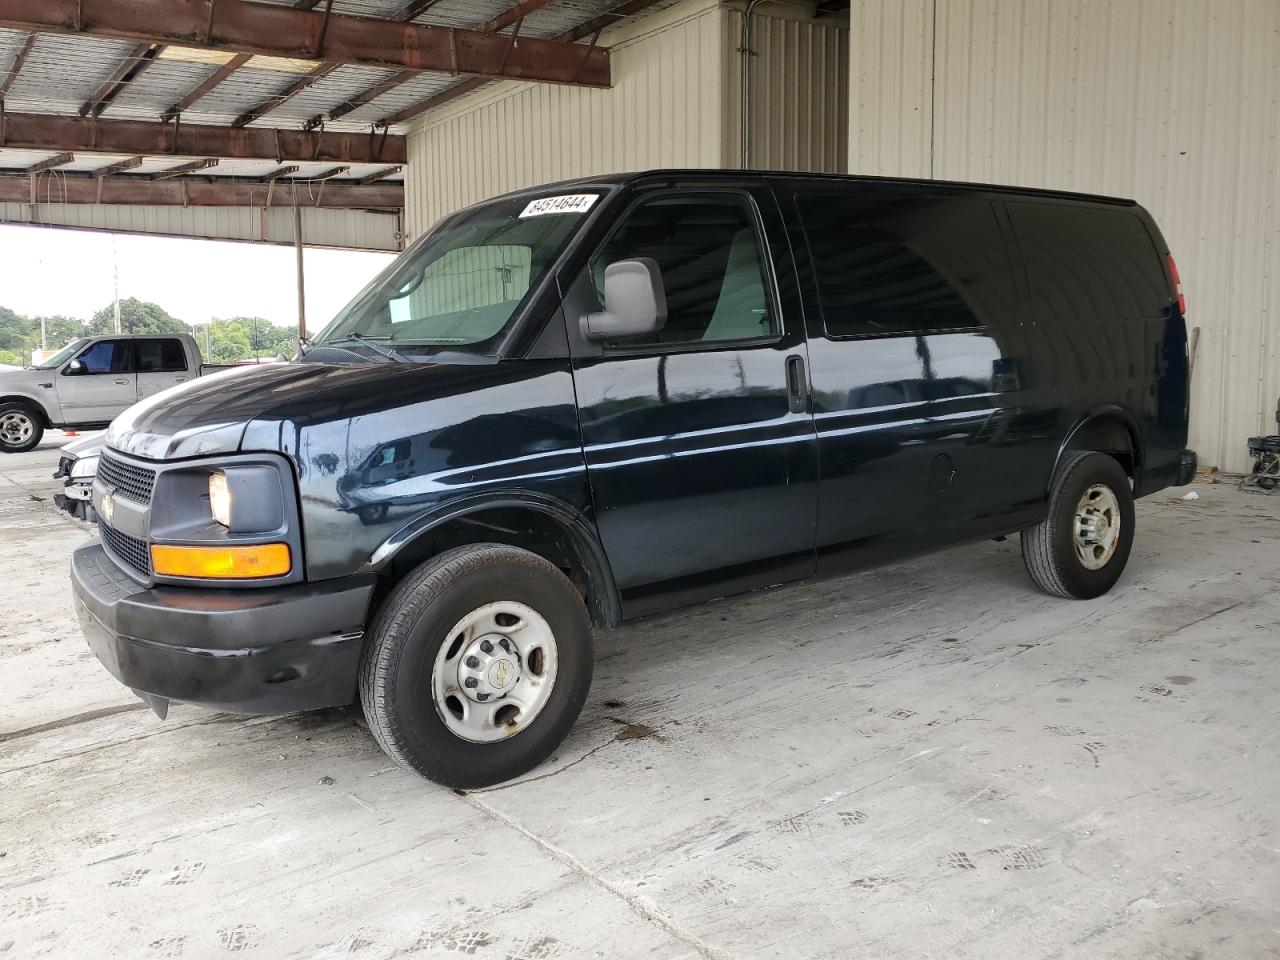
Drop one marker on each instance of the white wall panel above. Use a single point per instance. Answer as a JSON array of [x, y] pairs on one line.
[[799, 104], [1175, 103], [341, 229], [664, 110]]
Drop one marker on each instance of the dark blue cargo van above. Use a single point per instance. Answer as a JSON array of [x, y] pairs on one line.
[[597, 400]]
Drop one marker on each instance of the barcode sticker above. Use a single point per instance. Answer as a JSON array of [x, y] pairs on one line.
[[568, 203]]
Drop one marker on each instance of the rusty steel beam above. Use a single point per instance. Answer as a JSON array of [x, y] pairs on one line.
[[360, 99], [324, 174], [215, 78], [184, 168], [61, 160], [80, 135], [118, 167], [513, 14], [624, 11], [136, 61], [412, 10], [239, 26], [589, 29], [380, 174], [292, 90], [210, 192], [18, 61], [277, 174]]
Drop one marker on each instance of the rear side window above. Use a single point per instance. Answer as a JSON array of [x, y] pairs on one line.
[[161, 356], [891, 262], [1089, 263]]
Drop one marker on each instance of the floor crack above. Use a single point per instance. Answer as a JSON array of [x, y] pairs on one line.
[[637, 905]]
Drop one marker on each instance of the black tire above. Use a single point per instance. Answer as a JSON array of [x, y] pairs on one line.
[[406, 636], [1049, 549], [16, 411]]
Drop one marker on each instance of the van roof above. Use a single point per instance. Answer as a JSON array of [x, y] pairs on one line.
[[619, 179]]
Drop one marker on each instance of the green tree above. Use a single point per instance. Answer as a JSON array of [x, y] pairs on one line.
[[136, 317], [247, 338]]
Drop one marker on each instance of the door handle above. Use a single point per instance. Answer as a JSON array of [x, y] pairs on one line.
[[179, 379], [797, 384], [123, 383]]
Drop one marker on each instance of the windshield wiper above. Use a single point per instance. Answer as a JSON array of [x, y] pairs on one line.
[[391, 353]]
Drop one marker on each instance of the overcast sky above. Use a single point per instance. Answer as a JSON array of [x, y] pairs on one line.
[[48, 271]]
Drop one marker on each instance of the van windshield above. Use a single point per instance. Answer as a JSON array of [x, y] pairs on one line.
[[460, 287]]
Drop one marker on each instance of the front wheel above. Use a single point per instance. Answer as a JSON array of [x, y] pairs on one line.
[[477, 665], [21, 428], [1081, 548]]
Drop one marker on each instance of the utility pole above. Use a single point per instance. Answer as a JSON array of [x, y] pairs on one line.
[[115, 270], [297, 243]]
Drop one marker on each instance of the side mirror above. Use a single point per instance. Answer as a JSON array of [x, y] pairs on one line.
[[635, 302], [74, 368]]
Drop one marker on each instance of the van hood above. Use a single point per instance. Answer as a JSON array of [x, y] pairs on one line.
[[210, 416]]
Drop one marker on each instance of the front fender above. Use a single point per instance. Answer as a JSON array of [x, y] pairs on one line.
[[47, 407], [573, 521]]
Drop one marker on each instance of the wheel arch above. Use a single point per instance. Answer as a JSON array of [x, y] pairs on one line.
[[29, 401], [1109, 429], [543, 525]]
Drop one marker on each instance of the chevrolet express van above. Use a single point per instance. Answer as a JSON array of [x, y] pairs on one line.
[[589, 402]]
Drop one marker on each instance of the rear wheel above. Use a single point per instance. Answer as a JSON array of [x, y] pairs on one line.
[[1081, 548], [477, 665], [21, 428]]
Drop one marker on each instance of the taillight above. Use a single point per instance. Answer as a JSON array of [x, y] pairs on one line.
[[1177, 286]]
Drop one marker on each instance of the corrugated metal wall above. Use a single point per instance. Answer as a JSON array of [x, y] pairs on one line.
[[799, 104], [341, 229], [665, 109], [1173, 102], [675, 103]]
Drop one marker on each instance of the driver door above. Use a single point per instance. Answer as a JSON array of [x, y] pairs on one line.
[[700, 451], [99, 384]]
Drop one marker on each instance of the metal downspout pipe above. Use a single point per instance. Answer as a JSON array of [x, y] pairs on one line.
[[744, 49]]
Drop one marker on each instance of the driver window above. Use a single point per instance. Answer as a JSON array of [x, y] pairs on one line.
[[709, 252], [107, 356], [464, 280]]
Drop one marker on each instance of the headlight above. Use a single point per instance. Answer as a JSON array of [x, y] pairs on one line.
[[220, 498], [84, 469]]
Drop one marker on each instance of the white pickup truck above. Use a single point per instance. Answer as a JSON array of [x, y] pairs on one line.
[[91, 380]]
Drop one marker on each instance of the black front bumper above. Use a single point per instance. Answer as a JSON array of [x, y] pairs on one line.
[[269, 650]]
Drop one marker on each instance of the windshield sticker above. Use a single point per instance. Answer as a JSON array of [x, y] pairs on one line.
[[569, 203]]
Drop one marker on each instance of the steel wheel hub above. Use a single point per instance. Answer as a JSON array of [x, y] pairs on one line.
[[494, 672], [1097, 527], [16, 428], [490, 668]]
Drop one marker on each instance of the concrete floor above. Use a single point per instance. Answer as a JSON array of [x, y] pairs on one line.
[[929, 760]]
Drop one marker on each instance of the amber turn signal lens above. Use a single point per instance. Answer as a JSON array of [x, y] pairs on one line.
[[222, 563]]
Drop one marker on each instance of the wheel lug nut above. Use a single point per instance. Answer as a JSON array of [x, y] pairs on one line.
[[482, 697], [505, 644], [471, 683], [486, 646], [473, 662]]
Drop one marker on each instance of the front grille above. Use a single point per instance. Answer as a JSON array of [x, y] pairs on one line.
[[130, 551], [128, 481]]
